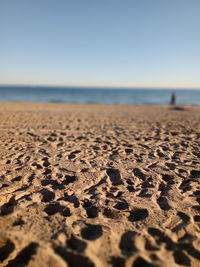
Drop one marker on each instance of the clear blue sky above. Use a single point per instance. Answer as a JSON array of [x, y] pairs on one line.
[[145, 43]]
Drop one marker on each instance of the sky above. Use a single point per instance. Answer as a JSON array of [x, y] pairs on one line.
[[117, 43]]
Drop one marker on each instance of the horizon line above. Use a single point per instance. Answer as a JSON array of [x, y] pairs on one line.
[[102, 86]]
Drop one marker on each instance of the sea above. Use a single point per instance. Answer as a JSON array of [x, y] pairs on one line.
[[135, 96]]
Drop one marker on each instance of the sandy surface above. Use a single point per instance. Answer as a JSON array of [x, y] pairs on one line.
[[94, 185]]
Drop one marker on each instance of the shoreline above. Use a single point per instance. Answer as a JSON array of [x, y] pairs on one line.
[[98, 104]]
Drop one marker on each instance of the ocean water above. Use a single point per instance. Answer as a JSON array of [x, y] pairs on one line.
[[98, 95]]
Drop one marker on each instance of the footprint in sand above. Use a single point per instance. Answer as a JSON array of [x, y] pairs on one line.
[[91, 232]]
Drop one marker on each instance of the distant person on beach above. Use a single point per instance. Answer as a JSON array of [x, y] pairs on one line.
[[173, 99]]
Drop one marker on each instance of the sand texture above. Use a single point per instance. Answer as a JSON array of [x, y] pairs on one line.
[[95, 185]]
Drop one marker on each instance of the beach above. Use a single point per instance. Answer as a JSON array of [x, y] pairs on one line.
[[99, 185]]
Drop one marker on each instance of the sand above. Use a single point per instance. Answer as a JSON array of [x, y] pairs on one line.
[[95, 185]]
